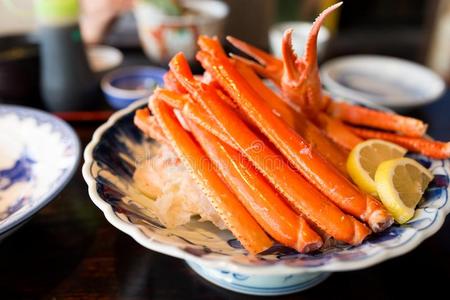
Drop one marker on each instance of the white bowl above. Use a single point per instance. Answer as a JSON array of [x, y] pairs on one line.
[[163, 36], [383, 80], [216, 255], [299, 37], [39, 153]]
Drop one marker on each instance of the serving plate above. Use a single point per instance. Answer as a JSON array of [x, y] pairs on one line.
[[39, 154], [388, 81], [118, 146]]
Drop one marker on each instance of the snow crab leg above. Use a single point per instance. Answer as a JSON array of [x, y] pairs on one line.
[[171, 83], [358, 115], [239, 222], [269, 67], [148, 125], [195, 112], [337, 131], [303, 196], [257, 195], [295, 148], [295, 119], [299, 80]]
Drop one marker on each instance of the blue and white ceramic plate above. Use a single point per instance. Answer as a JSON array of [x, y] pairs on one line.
[[38, 155], [216, 255], [389, 81]]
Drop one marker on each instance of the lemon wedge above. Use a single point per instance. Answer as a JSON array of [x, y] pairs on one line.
[[400, 185], [364, 159]]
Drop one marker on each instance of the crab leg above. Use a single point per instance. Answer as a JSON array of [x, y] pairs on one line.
[[171, 83], [171, 97], [300, 82], [194, 112], [295, 119], [294, 147], [301, 195], [280, 106], [233, 213], [148, 125], [434, 149], [257, 195], [269, 66], [346, 112], [334, 129], [337, 131], [358, 115]]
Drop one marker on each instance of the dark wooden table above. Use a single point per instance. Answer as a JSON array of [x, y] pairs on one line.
[[69, 251]]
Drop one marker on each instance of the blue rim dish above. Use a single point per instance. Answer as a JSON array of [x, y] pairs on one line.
[[67, 136]]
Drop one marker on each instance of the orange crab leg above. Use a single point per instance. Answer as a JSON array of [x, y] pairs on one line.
[[148, 125], [195, 112], [233, 213], [257, 195], [294, 147], [302, 196], [337, 131], [298, 77], [225, 98], [434, 149], [269, 66], [279, 106], [171, 83], [359, 115], [295, 119], [173, 98]]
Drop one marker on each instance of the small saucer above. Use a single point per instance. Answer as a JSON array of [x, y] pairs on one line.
[[383, 80], [123, 86]]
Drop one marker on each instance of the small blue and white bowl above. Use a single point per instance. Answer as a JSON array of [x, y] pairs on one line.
[[126, 85], [382, 80], [110, 162], [39, 154]]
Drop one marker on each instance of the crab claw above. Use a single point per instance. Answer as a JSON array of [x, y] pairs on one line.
[[300, 80], [310, 56], [290, 72], [269, 66]]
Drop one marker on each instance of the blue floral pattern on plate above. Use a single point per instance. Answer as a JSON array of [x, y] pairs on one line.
[[38, 156], [109, 164]]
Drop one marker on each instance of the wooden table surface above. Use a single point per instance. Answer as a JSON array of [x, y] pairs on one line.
[[69, 251]]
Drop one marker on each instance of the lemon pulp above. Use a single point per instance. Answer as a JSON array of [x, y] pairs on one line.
[[400, 185], [365, 158]]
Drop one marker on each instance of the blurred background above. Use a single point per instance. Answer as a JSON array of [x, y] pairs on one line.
[[417, 30]]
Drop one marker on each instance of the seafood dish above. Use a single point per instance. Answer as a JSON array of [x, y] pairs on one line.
[[275, 165]]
